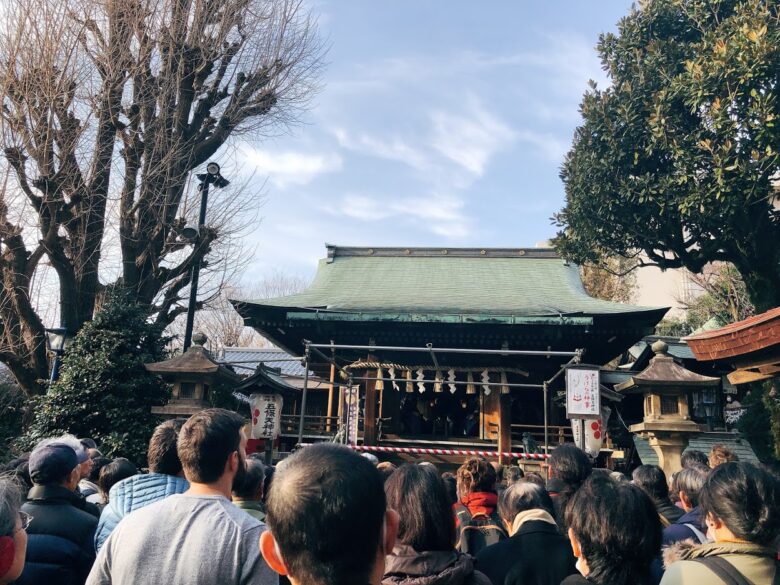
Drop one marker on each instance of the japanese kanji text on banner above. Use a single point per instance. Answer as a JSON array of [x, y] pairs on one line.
[[583, 397], [266, 416]]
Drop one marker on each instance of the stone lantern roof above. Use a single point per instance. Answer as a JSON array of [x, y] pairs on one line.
[[664, 371], [196, 361]]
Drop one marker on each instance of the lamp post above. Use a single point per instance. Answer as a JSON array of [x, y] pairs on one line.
[[211, 176], [56, 340]]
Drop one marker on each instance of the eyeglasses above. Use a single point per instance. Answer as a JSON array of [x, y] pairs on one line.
[[26, 519]]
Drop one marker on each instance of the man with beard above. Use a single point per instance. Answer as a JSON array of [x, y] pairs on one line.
[[198, 536]]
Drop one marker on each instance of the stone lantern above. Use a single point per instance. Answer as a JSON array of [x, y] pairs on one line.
[[192, 374], [667, 423]]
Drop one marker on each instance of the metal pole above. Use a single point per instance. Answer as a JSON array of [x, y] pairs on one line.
[[303, 394], [204, 196], [55, 367], [450, 350], [546, 441]]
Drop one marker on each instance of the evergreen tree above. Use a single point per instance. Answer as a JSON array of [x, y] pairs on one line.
[[104, 391]]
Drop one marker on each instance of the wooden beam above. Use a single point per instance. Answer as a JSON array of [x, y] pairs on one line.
[[369, 420], [330, 396], [504, 427]]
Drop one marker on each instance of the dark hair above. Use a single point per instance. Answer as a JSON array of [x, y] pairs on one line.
[[451, 484], [252, 481], [746, 498], [691, 480], [476, 475], [206, 441], [19, 468], [326, 509], [88, 443], [533, 477], [720, 454], [98, 463], [162, 455], [512, 473], [114, 472], [692, 456], [617, 528], [522, 496], [420, 497], [652, 480], [570, 465], [386, 469]]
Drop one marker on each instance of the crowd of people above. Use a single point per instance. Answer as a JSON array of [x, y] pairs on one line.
[[205, 513]]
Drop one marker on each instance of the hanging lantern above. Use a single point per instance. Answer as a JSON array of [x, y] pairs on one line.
[[380, 383], [504, 387], [470, 387], [409, 384]]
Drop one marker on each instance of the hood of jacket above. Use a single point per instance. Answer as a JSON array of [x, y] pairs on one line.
[[406, 566], [480, 502], [687, 550]]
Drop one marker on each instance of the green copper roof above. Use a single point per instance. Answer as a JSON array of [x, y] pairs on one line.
[[453, 281]]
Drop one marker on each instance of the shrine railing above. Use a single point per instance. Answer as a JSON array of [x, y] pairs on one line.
[[313, 425]]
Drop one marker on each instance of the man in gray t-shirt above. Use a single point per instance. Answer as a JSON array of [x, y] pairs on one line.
[[195, 538]]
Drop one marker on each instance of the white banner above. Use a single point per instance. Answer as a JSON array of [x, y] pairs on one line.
[[353, 413], [266, 416], [583, 397]]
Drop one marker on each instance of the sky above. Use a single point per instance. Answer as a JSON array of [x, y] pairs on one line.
[[439, 123]]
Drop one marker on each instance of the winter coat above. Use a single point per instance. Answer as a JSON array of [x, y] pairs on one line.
[[87, 488], [59, 538], [537, 554], [678, 531], [406, 566], [755, 562], [133, 493], [253, 508]]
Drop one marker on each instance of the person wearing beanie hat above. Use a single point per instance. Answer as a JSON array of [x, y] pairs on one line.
[[60, 536]]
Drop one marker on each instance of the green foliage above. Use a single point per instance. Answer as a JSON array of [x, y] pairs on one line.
[[756, 425], [13, 409], [676, 158], [103, 390]]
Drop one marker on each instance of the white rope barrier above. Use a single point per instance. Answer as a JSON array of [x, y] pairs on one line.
[[427, 451]]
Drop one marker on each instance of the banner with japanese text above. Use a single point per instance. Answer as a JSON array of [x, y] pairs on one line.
[[266, 416]]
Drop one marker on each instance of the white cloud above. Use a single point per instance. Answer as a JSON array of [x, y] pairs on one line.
[[550, 145], [291, 168], [470, 140], [391, 148]]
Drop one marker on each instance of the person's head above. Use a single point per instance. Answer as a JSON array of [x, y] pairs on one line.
[[451, 484], [211, 447], [328, 523], [386, 469], [114, 472], [512, 474], [98, 463], [534, 477], [85, 463], [742, 501], [687, 484], [569, 464], [420, 497], [162, 454], [19, 468], [270, 471], [250, 488], [88, 443], [720, 454], [13, 537], [55, 464], [692, 457], [476, 475], [614, 530], [652, 480], [520, 497]]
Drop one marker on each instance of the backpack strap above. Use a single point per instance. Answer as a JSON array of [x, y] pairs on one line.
[[463, 514], [697, 533], [725, 571]]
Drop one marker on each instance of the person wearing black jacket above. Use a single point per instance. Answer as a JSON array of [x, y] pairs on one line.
[[651, 479], [536, 553], [60, 545]]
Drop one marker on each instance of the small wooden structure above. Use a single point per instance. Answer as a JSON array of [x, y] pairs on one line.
[[750, 346], [667, 421], [193, 374]]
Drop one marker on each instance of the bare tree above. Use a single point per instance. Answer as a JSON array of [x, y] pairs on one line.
[[222, 324], [107, 108]]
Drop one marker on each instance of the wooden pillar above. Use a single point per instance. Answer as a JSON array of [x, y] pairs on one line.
[[504, 427], [489, 415], [330, 397], [369, 420]]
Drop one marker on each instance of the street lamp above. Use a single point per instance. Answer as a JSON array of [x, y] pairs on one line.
[[211, 176], [57, 339]]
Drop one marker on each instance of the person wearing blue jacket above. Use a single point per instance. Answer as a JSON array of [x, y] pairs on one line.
[[687, 484], [165, 479]]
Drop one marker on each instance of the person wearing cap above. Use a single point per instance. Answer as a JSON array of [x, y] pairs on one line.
[[60, 537], [85, 466]]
